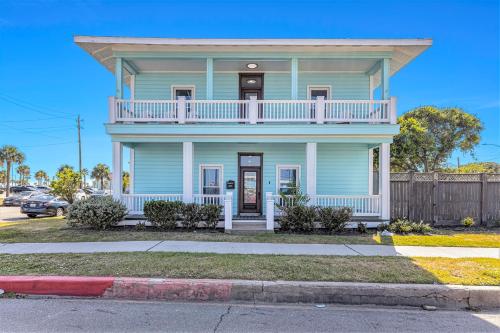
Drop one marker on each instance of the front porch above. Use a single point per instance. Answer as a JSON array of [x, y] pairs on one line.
[[246, 178]]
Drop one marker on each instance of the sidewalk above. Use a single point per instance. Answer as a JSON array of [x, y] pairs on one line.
[[250, 248]]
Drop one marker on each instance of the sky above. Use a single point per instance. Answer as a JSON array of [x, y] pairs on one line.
[[46, 80]]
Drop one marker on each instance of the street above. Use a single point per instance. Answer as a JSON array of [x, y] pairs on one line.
[[84, 315], [11, 214]]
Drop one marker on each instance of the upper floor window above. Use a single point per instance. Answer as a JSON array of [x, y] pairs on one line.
[[313, 92], [184, 91]]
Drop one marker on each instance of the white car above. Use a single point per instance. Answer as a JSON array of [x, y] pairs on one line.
[[80, 195]]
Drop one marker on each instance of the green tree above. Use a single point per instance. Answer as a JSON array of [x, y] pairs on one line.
[[3, 176], [429, 135], [66, 184], [41, 177], [101, 172], [24, 173], [476, 167], [85, 173], [125, 180], [9, 155], [65, 166]]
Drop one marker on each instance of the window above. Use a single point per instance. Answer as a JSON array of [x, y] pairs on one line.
[[250, 160], [288, 178], [184, 91], [313, 92], [211, 179]]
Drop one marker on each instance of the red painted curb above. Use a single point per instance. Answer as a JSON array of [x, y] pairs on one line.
[[56, 285]]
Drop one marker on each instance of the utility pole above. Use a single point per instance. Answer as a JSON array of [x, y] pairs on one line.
[[458, 162], [79, 150]]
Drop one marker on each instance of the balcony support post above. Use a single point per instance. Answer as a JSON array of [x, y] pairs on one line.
[[187, 172], [181, 110], [131, 171], [112, 109], [132, 94], [311, 157], [253, 108], [116, 180], [393, 115], [320, 110], [384, 176], [269, 211], [370, 171], [385, 73], [210, 78], [119, 78], [294, 70]]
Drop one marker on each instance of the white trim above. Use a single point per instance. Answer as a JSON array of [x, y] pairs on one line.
[[187, 171], [174, 87], [210, 166], [131, 171], [116, 180], [311, 162], [287, 166], [132, 87], [319, 87], [271, 42], [370, 171]]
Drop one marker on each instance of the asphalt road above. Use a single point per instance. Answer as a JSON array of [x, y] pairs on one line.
[[11, 214], [87, 315]]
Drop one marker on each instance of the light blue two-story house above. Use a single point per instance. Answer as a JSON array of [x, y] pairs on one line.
[[239, 121]]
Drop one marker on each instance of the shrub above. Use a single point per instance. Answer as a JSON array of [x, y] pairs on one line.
[[362, 228], [334, 219], [468, 222], [211, 215], [298, 218], [141, 226], [163, 214], [192, 215], [404, 226], [96, 212], [421, 228]]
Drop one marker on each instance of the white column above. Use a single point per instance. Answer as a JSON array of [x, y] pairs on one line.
[[253, 109], [311, 156], [116, 181], [228, 211], [269, 211], [370, 171], [131, 171], [187, 171], [384, 176], [294, 71]]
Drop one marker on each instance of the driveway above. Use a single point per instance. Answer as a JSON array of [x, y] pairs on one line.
[[11, 214]]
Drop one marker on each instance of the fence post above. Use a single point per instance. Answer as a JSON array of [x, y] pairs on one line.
[[484, 199], [228, 211], [411, 195], [269, 211], [252, 110], [435, 197], [320, 110], [111, 109], [181, 110]]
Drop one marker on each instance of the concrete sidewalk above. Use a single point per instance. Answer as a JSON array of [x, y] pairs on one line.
[[250, 248]]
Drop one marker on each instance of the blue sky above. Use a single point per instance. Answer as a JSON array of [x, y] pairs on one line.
[[46, 80]]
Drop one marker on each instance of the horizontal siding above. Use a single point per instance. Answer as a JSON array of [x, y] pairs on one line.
[[277, 86], [342, 169], [159, 85], [343, 85], [226, 86], [158, 168]]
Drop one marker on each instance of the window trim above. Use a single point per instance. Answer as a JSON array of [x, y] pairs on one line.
[[175, 87], [326, 87], [210, 166], [287, 166]]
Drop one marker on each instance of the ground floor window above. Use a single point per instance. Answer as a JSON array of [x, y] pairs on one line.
[[211, 179], [287, 179]]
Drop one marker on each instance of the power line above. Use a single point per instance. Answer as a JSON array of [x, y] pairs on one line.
[[31, 107], [49, 144]]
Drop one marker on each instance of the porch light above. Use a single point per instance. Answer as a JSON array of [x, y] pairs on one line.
[[252, 66], [251, 81]]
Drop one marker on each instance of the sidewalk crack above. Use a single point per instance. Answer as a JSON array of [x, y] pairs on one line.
[[350, 248], [152, 247], [221, 318]]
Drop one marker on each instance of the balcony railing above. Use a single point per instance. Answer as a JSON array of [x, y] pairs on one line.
[[252, 111]]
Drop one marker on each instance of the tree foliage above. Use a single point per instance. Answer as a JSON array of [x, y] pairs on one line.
[[24, 174], [475, 167], [101, 172], [429, 135], [8, 156], [41, 176], [66, 184]]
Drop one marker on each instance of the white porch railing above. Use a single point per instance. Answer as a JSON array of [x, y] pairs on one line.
[[209, 199], [135, 202], [362, 205], [252, 111]]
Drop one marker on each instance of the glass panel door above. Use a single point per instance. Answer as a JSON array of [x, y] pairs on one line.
[[250, 188]]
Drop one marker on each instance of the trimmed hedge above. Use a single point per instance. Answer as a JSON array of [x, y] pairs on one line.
[[96, 212]]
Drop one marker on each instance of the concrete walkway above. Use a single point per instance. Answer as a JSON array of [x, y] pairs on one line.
[[249, 248]]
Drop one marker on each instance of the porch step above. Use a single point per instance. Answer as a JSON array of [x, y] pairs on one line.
[[249, 227]]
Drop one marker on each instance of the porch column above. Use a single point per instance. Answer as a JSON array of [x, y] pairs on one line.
[[187, 171], [131, 171], [116, 180], [119, 77], [311, 157], [210, 78], [370, 171], [384, 182], [294, 77], [384, 78]]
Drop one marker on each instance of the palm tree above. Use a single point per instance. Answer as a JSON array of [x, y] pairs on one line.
[[84, 173], [101, 172], [41, 177], [24, 174], [64, 166], [8, 155], [3, 176]]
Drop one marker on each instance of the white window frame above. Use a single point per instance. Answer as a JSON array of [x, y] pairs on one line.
[[211, 166], [175, 87], [328, 88], [287, 166]]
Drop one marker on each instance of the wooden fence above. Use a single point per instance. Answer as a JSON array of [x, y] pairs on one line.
[[443, 198]]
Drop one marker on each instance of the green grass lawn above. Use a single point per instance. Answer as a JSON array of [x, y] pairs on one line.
[[259, 267], [56, 230]]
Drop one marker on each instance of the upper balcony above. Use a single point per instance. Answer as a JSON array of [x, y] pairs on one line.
[[252, 111]]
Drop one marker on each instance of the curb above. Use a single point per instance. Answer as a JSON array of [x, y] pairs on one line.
[[442, 296]]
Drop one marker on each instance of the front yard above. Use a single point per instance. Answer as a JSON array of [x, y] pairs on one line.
[[56, 230], [259, 267]]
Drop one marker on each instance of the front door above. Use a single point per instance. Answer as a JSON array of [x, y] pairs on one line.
[[250, 183]]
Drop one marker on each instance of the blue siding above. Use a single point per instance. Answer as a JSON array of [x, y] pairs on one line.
[[343, 85], [342, 169], [226, 86], [158, 168], [159, 85], [277, 86]]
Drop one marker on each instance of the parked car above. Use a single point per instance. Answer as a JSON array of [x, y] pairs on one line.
[[45, 204], [19, 198], [23, 188], [43, 189], [100, 193]]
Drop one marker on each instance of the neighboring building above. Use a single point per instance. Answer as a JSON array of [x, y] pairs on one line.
[[237, 121]]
